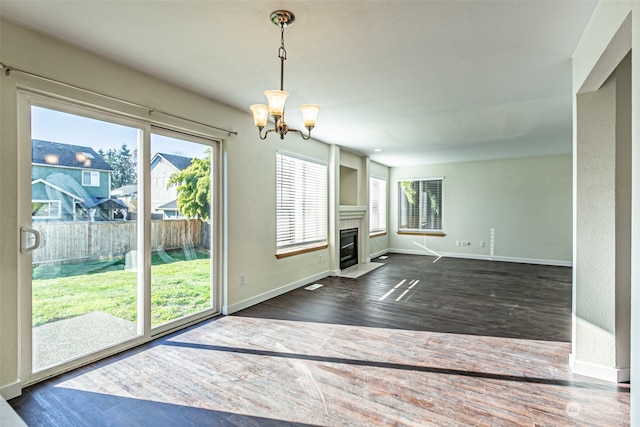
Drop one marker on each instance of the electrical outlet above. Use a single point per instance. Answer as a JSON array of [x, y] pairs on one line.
[[457, 242], [482, 244], [321, 258], [242, 279]]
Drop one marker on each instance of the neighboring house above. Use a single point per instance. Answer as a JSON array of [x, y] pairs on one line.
[[69, 183], [170, 210], [164, 199], [129, 195]]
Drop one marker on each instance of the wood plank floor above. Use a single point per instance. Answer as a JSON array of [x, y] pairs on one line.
[[413, 343]]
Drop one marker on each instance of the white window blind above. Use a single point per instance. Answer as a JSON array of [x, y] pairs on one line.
[[420, 205], [301, 208], [377, 205]]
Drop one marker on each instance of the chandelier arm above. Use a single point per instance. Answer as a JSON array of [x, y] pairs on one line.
[[263, 137], [301, 133]]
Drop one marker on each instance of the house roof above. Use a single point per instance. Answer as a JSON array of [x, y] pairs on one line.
[[170, 206], [104, 203], [73, 156], [178, 162], [55, 187], [124, 191]]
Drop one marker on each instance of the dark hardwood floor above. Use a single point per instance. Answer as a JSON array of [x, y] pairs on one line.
[[413, 343], [452, 295]]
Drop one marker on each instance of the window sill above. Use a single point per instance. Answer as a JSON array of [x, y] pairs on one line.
[[423, 233], [378, 234], [300, 250]]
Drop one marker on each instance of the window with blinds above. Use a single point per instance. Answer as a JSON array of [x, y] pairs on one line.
[[377, 205], [420, 205], [301, 207]]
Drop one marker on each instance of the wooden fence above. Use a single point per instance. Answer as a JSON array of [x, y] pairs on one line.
[[68, 241]]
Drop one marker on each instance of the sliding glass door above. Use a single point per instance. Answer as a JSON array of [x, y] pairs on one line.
[[181, 233], [84, 285], [118, 232]]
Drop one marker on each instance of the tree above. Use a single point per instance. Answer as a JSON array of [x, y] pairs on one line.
[[422, 205], [123, 162], [193, 185]]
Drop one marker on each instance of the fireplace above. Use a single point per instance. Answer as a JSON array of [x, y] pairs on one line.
[[348, 248]]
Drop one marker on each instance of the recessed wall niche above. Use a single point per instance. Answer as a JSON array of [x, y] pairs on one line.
[[348, 186]]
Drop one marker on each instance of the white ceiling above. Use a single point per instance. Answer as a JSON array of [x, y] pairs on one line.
[[425, 81]]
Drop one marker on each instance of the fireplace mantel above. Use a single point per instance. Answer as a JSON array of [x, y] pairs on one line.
[[352, 212]]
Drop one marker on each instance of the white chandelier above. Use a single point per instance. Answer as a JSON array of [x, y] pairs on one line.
[[276, 98]]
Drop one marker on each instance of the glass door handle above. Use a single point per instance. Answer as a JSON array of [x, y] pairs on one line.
[[27, 236]]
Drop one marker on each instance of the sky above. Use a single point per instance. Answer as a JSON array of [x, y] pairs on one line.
[[56, 126]]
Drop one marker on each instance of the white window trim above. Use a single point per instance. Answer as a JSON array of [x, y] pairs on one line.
[[92, 182], [382, 209], [435, 231], [50, 202]]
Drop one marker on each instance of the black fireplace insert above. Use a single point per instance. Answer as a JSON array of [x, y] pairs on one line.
[[348, 248]]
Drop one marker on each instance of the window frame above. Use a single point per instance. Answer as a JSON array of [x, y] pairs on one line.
[[382, 218], [50, 203], [92, 182], [422, 214], [302, 245]]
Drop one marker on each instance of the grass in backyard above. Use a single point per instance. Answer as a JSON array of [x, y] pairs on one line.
[[179, 288]]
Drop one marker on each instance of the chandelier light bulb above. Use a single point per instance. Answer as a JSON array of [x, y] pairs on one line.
[[276, 100], [260, 114], [309, 114]]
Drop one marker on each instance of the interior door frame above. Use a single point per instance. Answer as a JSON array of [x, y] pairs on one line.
[[28, 97]]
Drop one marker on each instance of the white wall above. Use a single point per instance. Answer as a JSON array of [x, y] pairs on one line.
[[612, 32], [526, 201], [379, 244], [354, 183], [252, 226], [603, 228]]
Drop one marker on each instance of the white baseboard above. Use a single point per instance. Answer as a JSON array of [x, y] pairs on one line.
[[605, 373], [559, 263], [229, 309], [9, 391], [379, 253]]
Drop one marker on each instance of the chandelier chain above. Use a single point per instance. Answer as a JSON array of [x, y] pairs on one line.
[[282, 54]]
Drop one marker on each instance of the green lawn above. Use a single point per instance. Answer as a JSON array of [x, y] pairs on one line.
[[178, 288]]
